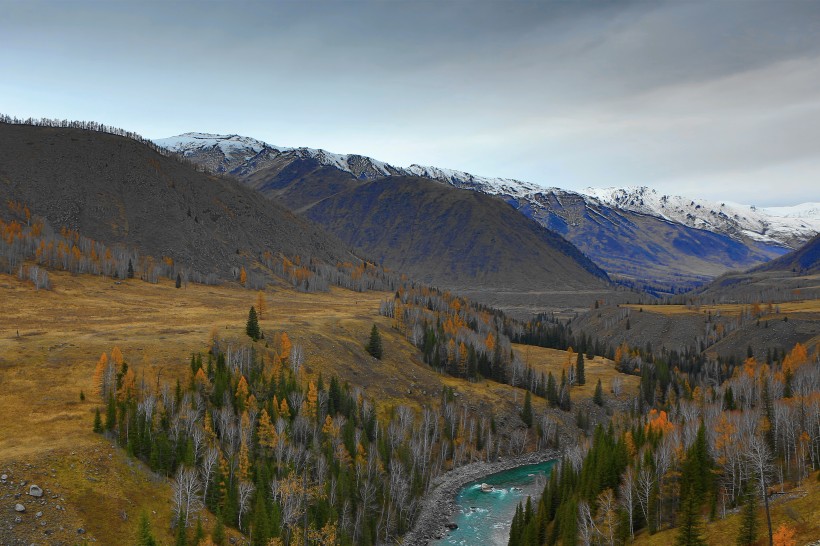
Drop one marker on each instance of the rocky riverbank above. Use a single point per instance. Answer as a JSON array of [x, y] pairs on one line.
[[439, 505]]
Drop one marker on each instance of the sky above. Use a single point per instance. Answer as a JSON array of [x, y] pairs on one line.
[[718, 100]]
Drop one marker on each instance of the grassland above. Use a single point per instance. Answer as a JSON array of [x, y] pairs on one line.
[[50, 342], [553, 360], [807, 307]]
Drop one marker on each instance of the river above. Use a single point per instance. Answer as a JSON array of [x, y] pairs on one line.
[[484, 518]]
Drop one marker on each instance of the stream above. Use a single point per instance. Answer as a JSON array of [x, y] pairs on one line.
[[485, 517]]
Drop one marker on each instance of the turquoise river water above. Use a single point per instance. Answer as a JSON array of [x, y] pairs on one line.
[[484, 518]]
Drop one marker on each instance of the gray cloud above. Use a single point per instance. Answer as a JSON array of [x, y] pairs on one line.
[[704, 98]]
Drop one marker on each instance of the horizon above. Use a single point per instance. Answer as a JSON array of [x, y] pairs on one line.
[[713, 101]]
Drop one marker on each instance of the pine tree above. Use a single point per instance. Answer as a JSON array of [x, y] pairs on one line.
[[526, 413], [374, 346], [252, 327], [130, 269], [218, 535], [97, 421], [598, 397], [179, 281], [748, 524], [182, 535], [689, 530], [580, 377], [199, 533], [144, 536]]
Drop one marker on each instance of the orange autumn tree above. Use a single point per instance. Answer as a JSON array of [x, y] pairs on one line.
[[797, 357], [243, 276], [286, 346], [261, 307], [658, 421], [99, 374], [784, 536]]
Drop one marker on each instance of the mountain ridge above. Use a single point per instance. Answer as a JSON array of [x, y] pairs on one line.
[[628, 231]]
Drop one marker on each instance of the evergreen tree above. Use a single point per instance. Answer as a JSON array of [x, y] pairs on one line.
[[144, 536], [179, 280], [199, 533], [374, 346], [97, 421], [218, 535], [182, 535], [689, 531], [252, 327], [130, 269], [526, 413], [552, 390], [580, 377], [111, 414], [747, 534], [598, 397]]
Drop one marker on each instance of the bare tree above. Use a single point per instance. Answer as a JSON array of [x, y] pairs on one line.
[[760, 460], [246, 489], [297, 358], [186, 497], [644, 491], [626, 496], [209, 461]]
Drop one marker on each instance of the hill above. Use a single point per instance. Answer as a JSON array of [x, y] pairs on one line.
[[805, 260], [639, 237], [121, 192], [51, 340], [455, 239]]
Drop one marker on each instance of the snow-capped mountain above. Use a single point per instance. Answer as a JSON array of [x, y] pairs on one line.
[[636, 234], [226, 153], [784, 226], [788, 227]]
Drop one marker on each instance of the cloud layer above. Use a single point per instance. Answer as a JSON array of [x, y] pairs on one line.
[[715, 99]]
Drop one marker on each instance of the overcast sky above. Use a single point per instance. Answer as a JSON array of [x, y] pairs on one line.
[[719, 100]]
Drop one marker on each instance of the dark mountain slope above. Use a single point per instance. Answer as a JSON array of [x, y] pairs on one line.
[[453, 238], [805, 260], [119, 191], [641, 249]]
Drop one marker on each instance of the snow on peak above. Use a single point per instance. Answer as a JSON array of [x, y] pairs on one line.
[[777, 225], [229, 144], [461, 179], [236, 145], [782, 226]]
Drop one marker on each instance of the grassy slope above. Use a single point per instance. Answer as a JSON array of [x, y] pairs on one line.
[[62, 333]]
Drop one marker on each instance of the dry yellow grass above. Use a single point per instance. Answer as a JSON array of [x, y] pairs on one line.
[[553, 360], [50, 342], [798, 508], [728, 309]]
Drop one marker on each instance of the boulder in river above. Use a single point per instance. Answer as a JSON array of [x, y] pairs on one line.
[[452, 526]]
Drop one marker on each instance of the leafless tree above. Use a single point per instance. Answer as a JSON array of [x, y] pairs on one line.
[[186, 496], [626, 496], [206, 471], [760, 459], [246, 489]]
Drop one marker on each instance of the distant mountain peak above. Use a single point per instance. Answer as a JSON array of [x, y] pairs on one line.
[[787, 227]]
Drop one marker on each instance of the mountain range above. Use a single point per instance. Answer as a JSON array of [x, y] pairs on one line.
[[122, 192], [639, 237]]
